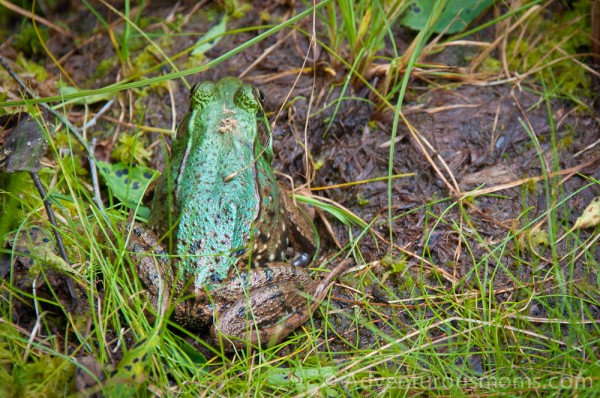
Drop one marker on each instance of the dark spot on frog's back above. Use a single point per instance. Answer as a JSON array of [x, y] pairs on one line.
[[215, 278], [147, 175], [195, 246]]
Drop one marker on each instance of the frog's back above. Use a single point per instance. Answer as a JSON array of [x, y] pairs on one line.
[[213, 175]]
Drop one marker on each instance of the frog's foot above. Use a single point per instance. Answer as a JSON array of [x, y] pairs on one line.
[[265, 317], [319, 294], [271, 312], [152, 265]]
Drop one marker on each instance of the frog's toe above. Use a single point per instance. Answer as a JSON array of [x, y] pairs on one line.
[[301, 260]]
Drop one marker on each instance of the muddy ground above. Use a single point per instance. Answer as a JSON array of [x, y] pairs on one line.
[[476, 130]]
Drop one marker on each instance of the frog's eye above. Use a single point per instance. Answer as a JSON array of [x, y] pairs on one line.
[[260, 95], [201, 94], [192, 89], [244, 98]]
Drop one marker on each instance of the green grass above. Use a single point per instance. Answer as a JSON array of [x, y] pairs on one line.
[[511, 313]]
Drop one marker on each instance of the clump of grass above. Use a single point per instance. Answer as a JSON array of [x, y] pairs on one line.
[[553, 46]]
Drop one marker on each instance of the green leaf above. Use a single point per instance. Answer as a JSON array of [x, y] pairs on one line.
[[590, 217], [197, 360], [211, 38], [90, 99], [128, 184], [131, 371], [464, 12], [35, 246], [302, 379], [24, 147]]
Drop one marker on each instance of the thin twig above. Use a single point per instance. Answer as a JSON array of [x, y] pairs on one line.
[[61, 247], [94, 175], [95, 118]]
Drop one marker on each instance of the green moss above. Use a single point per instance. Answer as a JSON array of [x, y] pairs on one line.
[[555, 38], [361, 200], [491, 64], [150, 56], [10, 202], [28, 41], [62, 140], [143, 61], [397, 264], [72, 166], [104, 67], [131, 148], [539, 239], [31, 67], [45, 376], [236, 8], [565, 142]]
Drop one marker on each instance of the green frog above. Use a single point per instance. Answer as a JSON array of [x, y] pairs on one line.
[[229, 224]]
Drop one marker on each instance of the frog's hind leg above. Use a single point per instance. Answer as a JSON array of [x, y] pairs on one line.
[[302, 232], [266, 314]]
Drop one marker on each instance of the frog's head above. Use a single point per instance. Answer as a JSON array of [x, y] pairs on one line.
[[231, 100]]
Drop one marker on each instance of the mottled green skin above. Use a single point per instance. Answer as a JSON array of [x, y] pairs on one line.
[[217, 217], [230, 225]]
